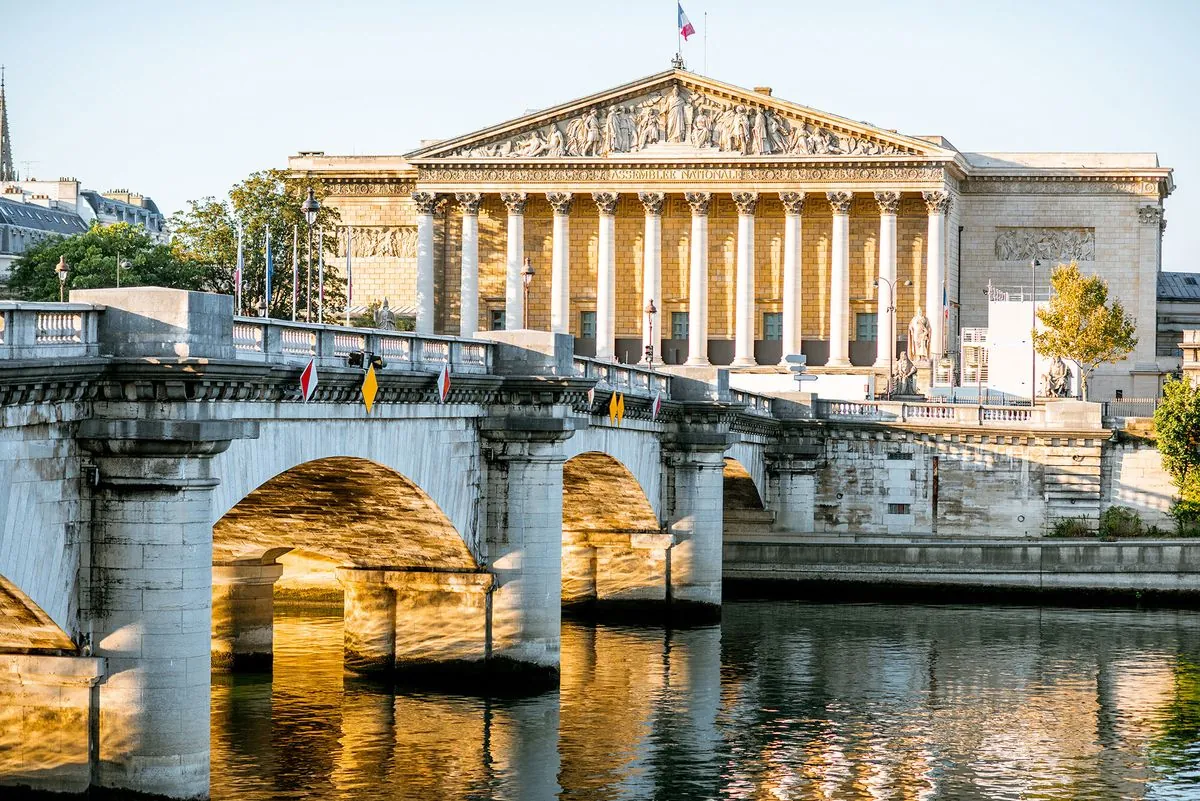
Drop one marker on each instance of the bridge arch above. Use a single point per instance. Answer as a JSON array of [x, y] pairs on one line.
[[639, 452], [25, 626], [750, 460]]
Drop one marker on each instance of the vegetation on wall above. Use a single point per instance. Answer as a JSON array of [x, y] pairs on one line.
[[1177, 427]]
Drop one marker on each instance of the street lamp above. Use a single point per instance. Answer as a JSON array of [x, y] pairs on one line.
[[61, 270], [310, 207], [891, 313], [121, 263], [262, 308], [1033, 265], [526, 280], [650, 312]]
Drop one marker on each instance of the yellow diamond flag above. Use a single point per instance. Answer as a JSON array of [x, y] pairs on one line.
[[620, 408], [612, 408], [369, 388]]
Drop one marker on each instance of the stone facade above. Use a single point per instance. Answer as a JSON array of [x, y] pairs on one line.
[[954, 220]]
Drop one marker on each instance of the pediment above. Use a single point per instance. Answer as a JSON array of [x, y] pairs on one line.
[[678, 115]]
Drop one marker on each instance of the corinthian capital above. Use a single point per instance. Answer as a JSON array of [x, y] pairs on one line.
[[469, 201], [652, 201], [606, 202], [515, 201], [793, 202], [426, 202], [560, 201], [699, 201], [937, 202], [889, 202], [746, 202], [840, 201]]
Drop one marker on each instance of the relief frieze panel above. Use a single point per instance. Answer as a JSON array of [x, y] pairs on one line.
[[486, 175], [1048, 244], [368, 188], [395, 241], [681, 118]]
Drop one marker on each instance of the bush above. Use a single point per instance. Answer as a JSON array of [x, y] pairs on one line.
[[1071, 528], [1121, 521], [1187, 518]]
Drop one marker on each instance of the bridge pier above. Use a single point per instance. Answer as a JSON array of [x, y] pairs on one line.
[[148, 600], [792, 479], [243, 615]]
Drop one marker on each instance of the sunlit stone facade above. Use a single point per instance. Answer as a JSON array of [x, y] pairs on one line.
[[758, 227]]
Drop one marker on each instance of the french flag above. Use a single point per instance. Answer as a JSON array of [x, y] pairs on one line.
[[685, 24]]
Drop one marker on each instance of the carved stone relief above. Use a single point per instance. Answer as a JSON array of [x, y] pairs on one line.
[[1048, 244], [396, 241], [680, 116], [1149, 214]]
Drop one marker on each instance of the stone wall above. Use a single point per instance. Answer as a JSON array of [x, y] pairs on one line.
[[1133, 476]]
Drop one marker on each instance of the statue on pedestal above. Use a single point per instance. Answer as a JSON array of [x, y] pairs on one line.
[[904, 374], [385, 318], [1058, 379], [918, 336]]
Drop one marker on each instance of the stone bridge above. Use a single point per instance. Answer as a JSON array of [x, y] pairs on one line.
[[158, 460]]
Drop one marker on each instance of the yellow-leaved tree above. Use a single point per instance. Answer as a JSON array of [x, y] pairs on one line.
[[1082, 325]]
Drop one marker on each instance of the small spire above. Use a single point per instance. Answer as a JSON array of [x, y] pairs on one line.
[[7, 172]]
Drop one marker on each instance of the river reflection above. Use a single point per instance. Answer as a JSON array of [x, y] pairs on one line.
[[782, 701]]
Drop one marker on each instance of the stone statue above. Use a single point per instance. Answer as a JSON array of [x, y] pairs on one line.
[[918, 336], [903, 376], [534, 146], [677, 114], [583, 134], [777, 133], [702, 126], [385, 319], [1058, 379], [649, 131], [760, 142], [556, 146]]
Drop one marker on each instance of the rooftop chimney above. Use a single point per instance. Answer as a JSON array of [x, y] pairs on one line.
[[763, 90]]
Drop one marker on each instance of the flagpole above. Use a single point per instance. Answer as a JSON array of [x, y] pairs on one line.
[[321, 275], [705, 42], [295, 267], [267, 278], [241, 266], [349, 276]]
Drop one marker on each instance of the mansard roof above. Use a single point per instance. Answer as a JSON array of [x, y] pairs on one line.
[[681, 115], [27, 215]]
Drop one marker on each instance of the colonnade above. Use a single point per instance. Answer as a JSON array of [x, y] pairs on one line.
[[937, 204]]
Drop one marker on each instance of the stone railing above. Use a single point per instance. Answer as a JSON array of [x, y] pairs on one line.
[[755, 404], [932, 414], [48, 330], [255, 339], [626, 378]]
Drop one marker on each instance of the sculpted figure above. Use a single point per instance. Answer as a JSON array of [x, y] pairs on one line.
[[723, 126], [777, 133], [1058, 379], [702, 126], [741, 129], [583, 134], [648, 130], [385, 319], [918, 336], [801, 141], [556, 146], [903, 373], [534, 146], [618, 131], [677, 113], [760, 142]]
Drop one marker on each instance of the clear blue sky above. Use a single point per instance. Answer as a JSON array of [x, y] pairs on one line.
[[181, 100]]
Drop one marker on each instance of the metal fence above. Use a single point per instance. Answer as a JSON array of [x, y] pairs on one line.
[[1129, 407]]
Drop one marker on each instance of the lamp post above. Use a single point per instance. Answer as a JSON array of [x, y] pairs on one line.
[[262, 308], [1033, 265], [61, 271], [891, 313], [526, 280], [310, 207], [121, 263], [650, 312]]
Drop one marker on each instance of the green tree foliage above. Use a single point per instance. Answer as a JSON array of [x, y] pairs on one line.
[[1177, 434], [1082, 325], [92, 263], [206, 232]]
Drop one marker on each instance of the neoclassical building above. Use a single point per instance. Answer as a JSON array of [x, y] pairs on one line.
[[758, 228]]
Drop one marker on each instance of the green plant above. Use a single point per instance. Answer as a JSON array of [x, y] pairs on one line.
[[1187, 517], [1120, 521], [1071, 528]]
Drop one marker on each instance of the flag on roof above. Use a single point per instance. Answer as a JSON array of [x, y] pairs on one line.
[[685, 24]]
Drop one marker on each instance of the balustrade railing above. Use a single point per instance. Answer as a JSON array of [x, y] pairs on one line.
[[255, 339], [756, 404], [48, 330], [934, 414], [627, 378]]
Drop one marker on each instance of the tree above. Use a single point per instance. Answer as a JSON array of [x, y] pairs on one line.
[[1082, 325], [1177, 434], [206, 232], [92, 259]]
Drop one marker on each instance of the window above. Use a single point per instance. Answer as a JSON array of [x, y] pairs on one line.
[[898, 508], [773, 326], [679, 325], [866, 326], [496, 317], [1120, 394], [587, 325]]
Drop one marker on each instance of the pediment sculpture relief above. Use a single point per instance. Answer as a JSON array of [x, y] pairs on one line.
[[683, 117]]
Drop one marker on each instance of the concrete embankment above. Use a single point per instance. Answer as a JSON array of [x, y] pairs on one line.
[[1071, 570]]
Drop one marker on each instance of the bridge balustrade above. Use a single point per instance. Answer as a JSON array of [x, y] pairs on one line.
[[932, 414], [627, 378], [256, 339], [755, 403], [48, 330]]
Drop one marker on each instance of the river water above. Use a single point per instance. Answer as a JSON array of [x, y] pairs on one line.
[[783, 700]]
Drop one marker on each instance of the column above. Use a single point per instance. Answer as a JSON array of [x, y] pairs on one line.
[[514, 291], [369, 615], [696, 518], [938, 204], [793, 207], [606, 276], [839, 280], [560, 263], [652, 273], [698, 280], [743, 349], [426, 202], [147, 599], [243, 616], [468, 323], [885, 306]]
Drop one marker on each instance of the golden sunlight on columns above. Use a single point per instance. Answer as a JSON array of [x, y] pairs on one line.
[[243, 615], [560, 263], [606, 275], [426, 204], [889, 204], [514, 291], [652, 272], [938, 204], [839, 283], [698, 280], [469, 281], [743, 350], [793, 207]]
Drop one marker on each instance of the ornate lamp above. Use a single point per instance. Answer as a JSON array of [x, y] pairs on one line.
[[61, 271]]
